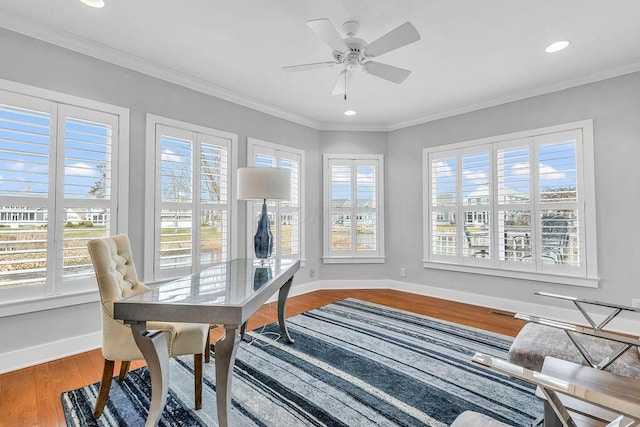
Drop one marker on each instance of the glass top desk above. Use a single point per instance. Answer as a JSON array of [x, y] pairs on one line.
[[228, 294]]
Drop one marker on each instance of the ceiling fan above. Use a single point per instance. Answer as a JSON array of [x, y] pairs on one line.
[[354, 53]]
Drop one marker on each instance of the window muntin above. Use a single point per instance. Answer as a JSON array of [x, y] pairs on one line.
[[536, 221], [285, 216], [192, 209], [56, 163], [354, 200]]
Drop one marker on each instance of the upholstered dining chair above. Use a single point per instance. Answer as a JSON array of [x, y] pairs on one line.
[[117, 279]]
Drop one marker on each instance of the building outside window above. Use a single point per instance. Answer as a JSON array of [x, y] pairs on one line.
[[523, 201], [63, 167], [354, 208]]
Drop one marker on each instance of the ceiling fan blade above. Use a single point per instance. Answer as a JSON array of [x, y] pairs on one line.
[[311, 66], [401, 36], [328, 33], [341, 84], [387, 72]]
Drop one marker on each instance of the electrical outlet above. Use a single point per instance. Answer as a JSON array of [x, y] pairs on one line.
[[635, 302], [312, 272], [403, 272]]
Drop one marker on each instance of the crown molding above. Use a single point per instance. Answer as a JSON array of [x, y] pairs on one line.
[[555, 87], [67, 40]]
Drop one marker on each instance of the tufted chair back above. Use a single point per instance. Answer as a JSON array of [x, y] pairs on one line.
[[117, 279]]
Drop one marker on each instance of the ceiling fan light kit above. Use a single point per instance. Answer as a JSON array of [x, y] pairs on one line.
[[353, 53]]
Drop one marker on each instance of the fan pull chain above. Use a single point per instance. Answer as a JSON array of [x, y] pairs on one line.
[[345, 86]]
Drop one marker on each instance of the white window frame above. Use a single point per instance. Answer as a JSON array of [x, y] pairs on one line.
[[254, 145], [356, 257], [153, 274], [586, 275], [58, 293]]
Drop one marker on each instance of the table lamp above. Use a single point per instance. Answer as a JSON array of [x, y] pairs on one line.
[[262, 184]]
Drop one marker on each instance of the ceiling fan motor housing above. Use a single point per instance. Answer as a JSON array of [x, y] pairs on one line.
[[354, 56]]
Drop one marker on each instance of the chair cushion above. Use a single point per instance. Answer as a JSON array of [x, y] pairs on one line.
[[475, 419], [190, 338], [536, 341], [182, 338]]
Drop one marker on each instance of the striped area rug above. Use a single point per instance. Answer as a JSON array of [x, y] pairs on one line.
[[354, 363]]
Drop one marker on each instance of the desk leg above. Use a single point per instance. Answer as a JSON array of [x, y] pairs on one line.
[[225, 350], [282, 301], [154, 348]]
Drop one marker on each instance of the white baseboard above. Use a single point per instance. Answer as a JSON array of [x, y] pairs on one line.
[[54, 350], [569, 314], [46, 352]]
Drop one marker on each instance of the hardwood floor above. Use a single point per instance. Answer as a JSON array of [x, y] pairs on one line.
[[31, 396]]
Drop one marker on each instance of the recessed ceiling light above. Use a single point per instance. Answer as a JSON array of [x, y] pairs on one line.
[[349, 113], [94, 3], [557, 46]]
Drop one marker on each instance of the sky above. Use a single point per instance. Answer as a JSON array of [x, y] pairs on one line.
[[25, 151], [557, 169]]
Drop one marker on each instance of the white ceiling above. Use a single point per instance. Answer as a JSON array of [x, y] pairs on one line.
[[473, 53]]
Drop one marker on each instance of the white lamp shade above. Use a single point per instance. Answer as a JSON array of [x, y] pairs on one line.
[[264, 183]]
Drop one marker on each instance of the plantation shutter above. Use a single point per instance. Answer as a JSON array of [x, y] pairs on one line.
[[444, 231], [355, 207], [515, 206], [88, 185], [289, 211], [477, 205], [175, 210], [341, 190], [522, 200], [58, 174], [366, 206], [561, 240], [26, 154], [192, 203], [214, 199]]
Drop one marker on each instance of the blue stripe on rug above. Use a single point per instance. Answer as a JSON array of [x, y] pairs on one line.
[[354, 363]]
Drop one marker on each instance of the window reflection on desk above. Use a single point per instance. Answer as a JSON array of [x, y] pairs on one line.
[[224, 284], [209, 282]]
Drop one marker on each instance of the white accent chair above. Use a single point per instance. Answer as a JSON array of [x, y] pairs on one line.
[[117, 279]]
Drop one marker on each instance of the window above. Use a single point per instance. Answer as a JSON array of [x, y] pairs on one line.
[[516, 203], [354, 202], [190, 199], [63, 174], [286, 216]]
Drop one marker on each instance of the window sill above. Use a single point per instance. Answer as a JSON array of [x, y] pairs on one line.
[[354, 260], [13, 308], [587, 282]]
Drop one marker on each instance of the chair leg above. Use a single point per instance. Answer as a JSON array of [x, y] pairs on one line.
[[105, 386], [124, 369], [207, 348], [197, 376]]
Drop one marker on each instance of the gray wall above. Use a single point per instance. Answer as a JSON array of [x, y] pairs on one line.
[[338, 142], [40, 64], [614, 106]]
